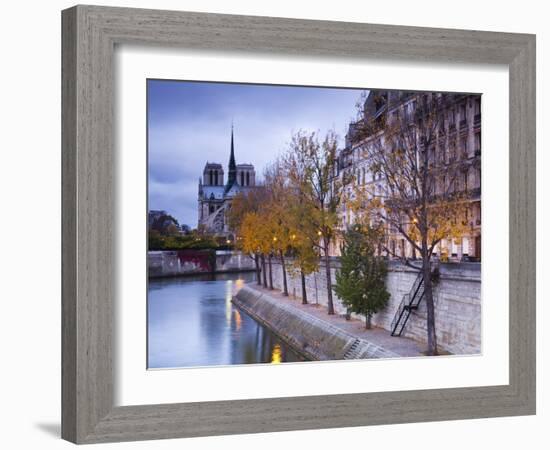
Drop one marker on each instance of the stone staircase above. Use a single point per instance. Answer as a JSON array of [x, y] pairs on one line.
[[354, 351]]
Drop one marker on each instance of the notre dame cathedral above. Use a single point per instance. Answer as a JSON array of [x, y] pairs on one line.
[[215, 196]]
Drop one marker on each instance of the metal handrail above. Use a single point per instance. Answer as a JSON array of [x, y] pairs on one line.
[[410, 301]]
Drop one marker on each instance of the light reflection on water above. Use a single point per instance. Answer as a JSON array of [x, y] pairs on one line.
[[192, 322], [276, 354]]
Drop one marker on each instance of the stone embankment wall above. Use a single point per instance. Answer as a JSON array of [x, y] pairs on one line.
[[187, 262], [457, 298], [314, 338]]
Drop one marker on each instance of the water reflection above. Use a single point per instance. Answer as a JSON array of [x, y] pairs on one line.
[[192, 322], [276, 354]]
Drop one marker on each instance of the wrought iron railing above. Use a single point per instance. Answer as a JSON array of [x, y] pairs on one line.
[[409, 302]]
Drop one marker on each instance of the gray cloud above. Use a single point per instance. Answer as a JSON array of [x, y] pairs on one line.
[[190, 125]]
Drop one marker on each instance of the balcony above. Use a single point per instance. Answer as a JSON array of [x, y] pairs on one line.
[[463, 124]]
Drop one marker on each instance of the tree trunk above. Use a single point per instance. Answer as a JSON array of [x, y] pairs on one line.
[[258, 272], [304, 292], [330, 304], [430, 309], [264, 272], [285, 286], [270, 272], [368, 321]]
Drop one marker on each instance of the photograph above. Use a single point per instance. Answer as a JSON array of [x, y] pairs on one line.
[[298, 223], [258, 225]]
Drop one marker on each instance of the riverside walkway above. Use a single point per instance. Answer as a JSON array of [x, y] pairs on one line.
[[398, 346]]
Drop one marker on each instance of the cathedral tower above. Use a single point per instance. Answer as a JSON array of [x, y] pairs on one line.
[[232, 172]]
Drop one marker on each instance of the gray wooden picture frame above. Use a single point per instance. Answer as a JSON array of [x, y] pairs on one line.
[[90, 34]]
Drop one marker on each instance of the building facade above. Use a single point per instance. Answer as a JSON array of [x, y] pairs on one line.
[[456, 148], [215, 195]]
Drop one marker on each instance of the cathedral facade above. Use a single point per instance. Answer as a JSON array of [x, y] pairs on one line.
[[215, 195]]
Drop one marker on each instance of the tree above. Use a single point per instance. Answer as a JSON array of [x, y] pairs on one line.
[[304, 240], [196, 241], [277, 214], [249, 241], [360, 282], [306, 262], [420, 196], [311, 166], [242, 205], [165, 224]]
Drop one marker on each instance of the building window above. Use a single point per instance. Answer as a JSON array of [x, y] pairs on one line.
[[464, 147], [216, 177], [451, 153], [478, 142], [248, 178]]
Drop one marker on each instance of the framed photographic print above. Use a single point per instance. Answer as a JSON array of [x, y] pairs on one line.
[[276, 224]]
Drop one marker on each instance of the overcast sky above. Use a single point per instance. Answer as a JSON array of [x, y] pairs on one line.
[[189, 123]]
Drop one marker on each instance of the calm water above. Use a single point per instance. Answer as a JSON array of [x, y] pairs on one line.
[[192, 322]]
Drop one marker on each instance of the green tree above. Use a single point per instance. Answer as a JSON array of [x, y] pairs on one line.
[[165, 224], [360, 282]]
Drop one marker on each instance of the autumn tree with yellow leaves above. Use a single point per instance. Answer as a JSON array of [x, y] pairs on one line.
[[244, 216], [420, 197], [311, 166], [276, 214], [261, 220], [304, 245]]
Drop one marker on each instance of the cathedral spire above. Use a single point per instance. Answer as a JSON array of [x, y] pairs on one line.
[[232, 175]]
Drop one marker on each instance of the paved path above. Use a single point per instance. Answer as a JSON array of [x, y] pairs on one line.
[[379, 336]]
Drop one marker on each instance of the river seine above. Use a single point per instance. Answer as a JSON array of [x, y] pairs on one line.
[[192, 322]]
